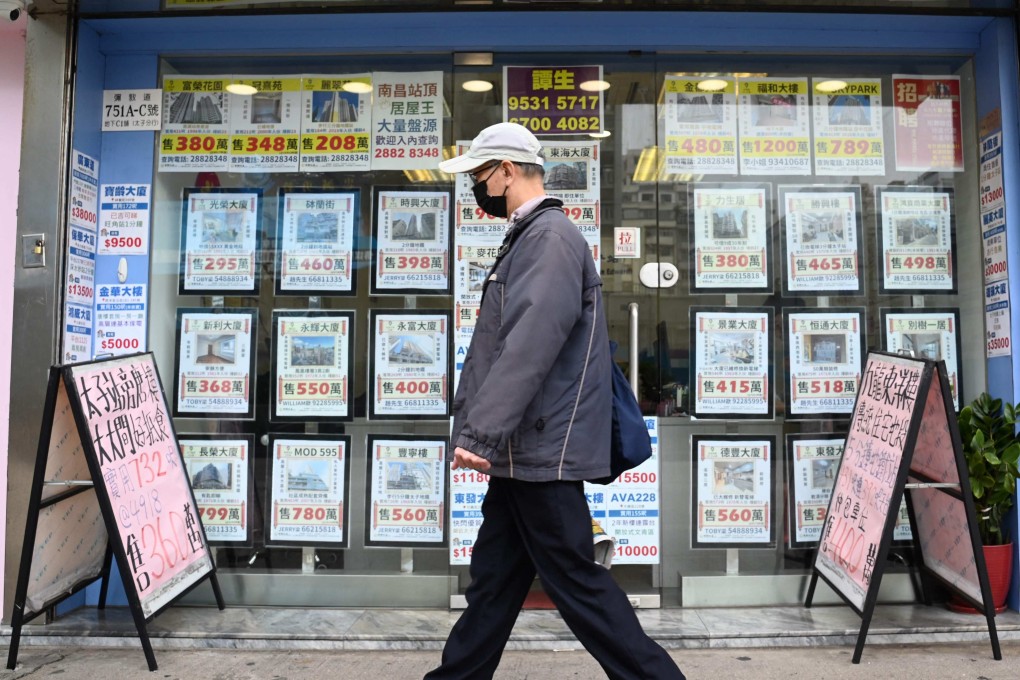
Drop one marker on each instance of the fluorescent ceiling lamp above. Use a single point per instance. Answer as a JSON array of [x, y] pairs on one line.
[[649, 165], [477, 85], [356, 87], [600, 135], [830, 85], [712, 85], [240, 88], [422, 175], [594, 85]]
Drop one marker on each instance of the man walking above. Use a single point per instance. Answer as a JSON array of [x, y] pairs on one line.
[[533, 410]]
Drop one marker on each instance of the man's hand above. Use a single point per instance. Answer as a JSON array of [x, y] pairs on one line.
[[462, 458]]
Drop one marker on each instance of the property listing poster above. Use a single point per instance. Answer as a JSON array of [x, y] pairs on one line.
[[220, 471], [926, 334], [336, 121], [822, 240], [82, 220], [196, 124], [701, 125], [411, 237], [308, 490], [475, 249], [220, 241], [554, 100], [312, 364], [315, 241], [993, 244], [732, 491], [124, 219], [265, 127], [214, 369], [474, 258], [730, 238], [629, 509], [775, 126], [848, 126], [916, 240], [120, 318], [572, 172], [406, 502], [407, 120], [826, 358], [812, 462], [998, 329], [928, 126], [467, 491], [732, 366], [410, 363], [993, 209]]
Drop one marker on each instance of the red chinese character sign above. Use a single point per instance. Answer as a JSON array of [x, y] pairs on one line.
[[112, 414], [902, 436], [928, 125], [554, 100]]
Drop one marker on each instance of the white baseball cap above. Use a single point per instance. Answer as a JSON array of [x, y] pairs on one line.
[[499, 142]]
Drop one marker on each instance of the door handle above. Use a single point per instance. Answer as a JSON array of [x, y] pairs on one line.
[[632, 308]]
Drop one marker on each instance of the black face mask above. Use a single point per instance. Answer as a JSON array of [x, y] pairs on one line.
[[493, 205]]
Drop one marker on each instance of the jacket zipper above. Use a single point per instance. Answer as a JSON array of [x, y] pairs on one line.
[[580, 388]]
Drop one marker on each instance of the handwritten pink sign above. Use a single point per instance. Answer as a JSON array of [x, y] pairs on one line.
[[865, 483], [133, 446]]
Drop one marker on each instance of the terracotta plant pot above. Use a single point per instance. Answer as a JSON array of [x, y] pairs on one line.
[[999, 561]]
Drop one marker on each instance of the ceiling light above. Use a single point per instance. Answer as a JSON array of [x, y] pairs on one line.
[[649, 165], [357, 87], [594, 85], [600, 135], [240, 88], [827, 86], [712, 85], [477, 85], [418, 176]]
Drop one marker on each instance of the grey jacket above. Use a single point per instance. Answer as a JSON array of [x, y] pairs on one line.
[[535, 394]]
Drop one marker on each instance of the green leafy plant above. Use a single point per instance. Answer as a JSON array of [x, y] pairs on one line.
[[991, 448]]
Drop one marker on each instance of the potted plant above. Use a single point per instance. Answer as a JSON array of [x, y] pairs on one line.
[[991, 448]]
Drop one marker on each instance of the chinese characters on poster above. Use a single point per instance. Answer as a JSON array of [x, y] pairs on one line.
[[308, 489]]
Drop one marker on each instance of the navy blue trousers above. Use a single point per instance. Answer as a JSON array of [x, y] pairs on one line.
[[545, 528]]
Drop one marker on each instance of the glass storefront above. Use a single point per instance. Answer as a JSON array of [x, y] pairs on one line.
[[762, 218], [812, 244]]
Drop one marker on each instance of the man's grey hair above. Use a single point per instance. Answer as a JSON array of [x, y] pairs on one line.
[[529, 170]]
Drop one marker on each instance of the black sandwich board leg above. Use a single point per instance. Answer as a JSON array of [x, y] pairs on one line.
[[811, 591], [990, 617], [865, 624], [143, 633], [150, 657], [105, 583], [216, 591], [16, 623]]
